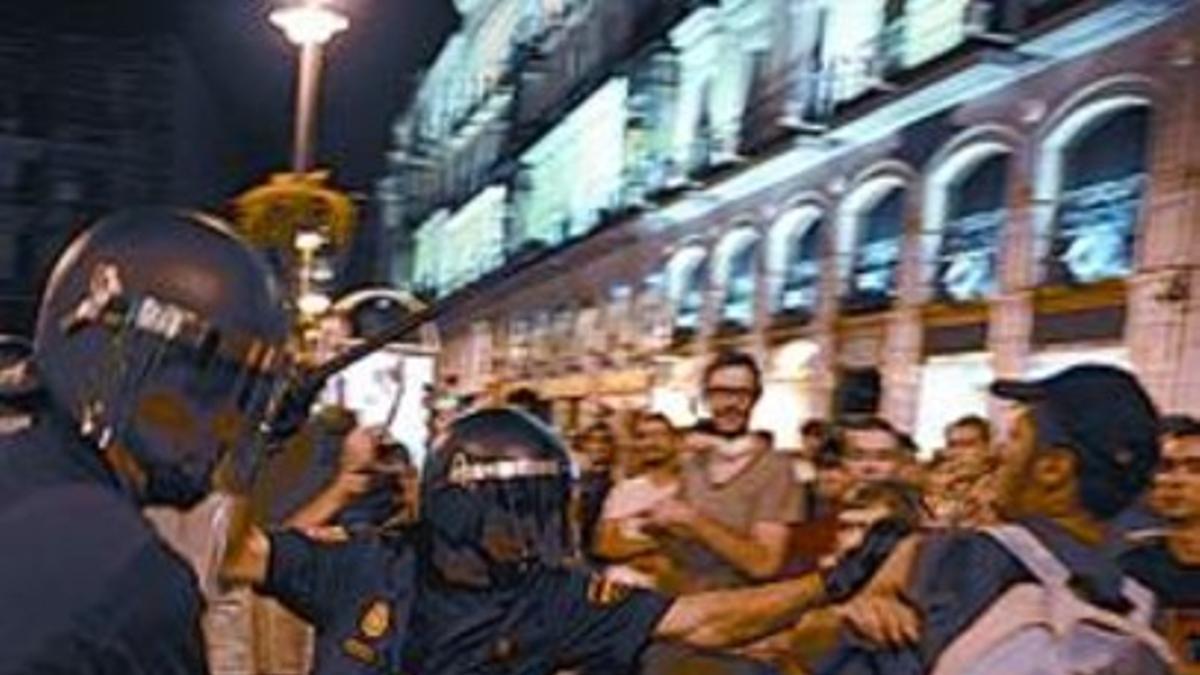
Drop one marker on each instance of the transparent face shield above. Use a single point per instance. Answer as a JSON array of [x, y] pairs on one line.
[[179, 393]]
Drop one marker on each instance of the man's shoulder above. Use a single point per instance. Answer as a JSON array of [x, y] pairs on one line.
[[964, 558]]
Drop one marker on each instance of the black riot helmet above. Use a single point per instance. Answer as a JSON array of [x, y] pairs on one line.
[[494, 498], [160, 332]]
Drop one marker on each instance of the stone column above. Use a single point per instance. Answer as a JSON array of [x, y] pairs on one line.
[[1010, 315], [1163, 323], [901, 368]]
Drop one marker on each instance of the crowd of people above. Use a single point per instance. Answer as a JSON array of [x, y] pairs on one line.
[[1065, 539], [1083, 469]]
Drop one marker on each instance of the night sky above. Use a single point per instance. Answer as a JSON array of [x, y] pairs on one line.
[[370, 72]]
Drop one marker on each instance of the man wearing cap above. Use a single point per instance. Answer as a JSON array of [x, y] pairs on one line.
[[1080, 446]]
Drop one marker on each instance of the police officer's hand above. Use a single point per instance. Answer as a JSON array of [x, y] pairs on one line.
[[360, 449]]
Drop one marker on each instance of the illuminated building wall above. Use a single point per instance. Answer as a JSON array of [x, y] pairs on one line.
[[944, 193]]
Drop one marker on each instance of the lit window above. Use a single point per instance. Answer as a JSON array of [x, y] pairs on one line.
[[874, 273], [690, 302], [738, 308], [967, 255], [802, 272], [1103, 181]]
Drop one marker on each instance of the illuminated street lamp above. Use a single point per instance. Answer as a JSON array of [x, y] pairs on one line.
[[308, 25]]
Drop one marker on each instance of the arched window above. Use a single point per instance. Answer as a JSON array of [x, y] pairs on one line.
[[686, 278], [1103, 179], [800, 290], [741, 276], [966, 263], [875, 262], [690, 300]]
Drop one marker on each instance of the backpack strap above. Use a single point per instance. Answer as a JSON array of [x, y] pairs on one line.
[[1052, 574], [1038, 559]]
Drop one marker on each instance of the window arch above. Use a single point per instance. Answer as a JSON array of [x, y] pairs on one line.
[[687, 275], [796, 248], [737, 275], [872, 242], [1095, 166], [968, 199]]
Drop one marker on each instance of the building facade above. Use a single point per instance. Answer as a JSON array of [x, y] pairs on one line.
[[923, 193]]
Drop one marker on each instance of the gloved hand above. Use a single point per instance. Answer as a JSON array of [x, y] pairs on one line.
[[856, 567]]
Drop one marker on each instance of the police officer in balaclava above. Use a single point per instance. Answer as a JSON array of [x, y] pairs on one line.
[[156, 341]]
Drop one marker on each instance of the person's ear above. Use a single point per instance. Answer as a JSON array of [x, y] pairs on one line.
[[1053, 468]]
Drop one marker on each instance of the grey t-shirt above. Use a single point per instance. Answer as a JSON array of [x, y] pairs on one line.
[[763, 491]]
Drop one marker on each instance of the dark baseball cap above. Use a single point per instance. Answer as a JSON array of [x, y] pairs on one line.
[[1103, 415]]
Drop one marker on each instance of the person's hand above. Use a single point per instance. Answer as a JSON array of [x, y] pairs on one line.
[[349, 484], [671, 515], [326, 534], [360, 449], [882, 618]]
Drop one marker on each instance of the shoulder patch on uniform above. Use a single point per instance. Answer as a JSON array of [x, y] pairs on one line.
[[376, 619], [357, 649], [604, 592]]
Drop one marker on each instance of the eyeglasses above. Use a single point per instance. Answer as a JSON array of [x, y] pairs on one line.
[[742, 393]]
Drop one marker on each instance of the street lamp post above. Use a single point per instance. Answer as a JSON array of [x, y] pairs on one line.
[[297, 214], [309, 25]]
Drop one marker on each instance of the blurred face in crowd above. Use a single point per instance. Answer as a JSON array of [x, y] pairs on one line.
[[1176, 492], [655, 442], [810, 442], [731, 393], [966, 440], [598, 446], [873, 455], [833, 483]]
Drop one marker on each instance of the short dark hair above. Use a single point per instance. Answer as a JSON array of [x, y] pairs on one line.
[[1179, 426], [597, 429], [904, 442], [977, 422], [643, 416], [528, 400], [902, 500], [869, 423], [732, 358], [815, 427]]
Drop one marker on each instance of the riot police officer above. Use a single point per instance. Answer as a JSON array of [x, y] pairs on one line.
[[479, 585], [156, 339]]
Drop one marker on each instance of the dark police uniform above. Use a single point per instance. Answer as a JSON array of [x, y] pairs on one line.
[[358, 595], [86, 586], [375, 612], [957, 577]]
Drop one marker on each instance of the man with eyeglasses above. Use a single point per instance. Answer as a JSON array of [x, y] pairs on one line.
[[730, 526]]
